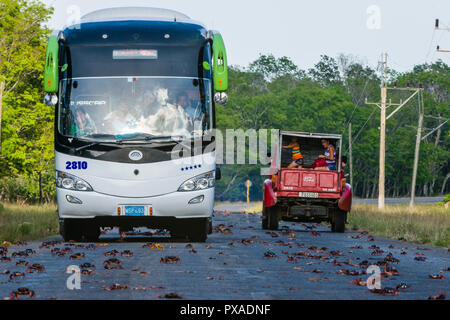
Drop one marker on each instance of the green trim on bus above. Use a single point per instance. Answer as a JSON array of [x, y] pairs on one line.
[[220, 63], [51, 73]]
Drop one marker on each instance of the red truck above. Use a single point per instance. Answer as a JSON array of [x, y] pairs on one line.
[[306, 194]]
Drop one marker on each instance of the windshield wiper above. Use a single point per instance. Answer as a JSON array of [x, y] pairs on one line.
[[88, 146], [148, 138]]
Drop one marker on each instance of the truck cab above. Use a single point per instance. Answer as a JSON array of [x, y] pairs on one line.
[[311, 192]]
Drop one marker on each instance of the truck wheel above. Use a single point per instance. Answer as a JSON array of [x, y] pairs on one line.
[[272, 218], [338, 221]]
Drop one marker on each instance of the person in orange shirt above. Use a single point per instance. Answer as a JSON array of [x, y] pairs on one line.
[[297, 157]]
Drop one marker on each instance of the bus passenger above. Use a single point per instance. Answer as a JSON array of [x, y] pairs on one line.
[[183, 101], [122, 119], [149, 105], [82, 123], [297, 157]]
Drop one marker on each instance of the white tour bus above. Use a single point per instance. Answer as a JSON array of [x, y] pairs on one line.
[[129, 86]]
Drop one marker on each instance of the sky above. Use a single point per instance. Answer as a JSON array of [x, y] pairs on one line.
[[303, 29]]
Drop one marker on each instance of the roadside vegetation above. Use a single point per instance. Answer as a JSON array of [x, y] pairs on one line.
[[424, 224], [27, 222]]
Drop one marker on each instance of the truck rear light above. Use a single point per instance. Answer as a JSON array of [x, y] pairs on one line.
[[119, 211], [343, 183]]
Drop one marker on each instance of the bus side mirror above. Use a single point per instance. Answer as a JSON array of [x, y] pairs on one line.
[[51, 100], [51, 72], [221, 98]]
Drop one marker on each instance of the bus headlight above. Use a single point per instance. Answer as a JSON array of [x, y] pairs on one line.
[[70, 182], [202, 182]]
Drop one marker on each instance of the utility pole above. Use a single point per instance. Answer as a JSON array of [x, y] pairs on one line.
[[383, 106], [382, 177], [417, 151], [350, 152]]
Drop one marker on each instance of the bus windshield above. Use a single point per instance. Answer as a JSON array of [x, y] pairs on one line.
[[102, 109]]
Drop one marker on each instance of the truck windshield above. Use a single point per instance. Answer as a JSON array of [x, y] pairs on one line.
[[104, 109]]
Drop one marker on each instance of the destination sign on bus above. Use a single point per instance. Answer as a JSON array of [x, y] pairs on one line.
[[138, 54]]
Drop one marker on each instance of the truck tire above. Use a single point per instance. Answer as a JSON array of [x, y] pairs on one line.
[[338, 221], [272, 218]]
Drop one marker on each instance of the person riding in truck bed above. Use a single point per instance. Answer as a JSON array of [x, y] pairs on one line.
[[297, 157]]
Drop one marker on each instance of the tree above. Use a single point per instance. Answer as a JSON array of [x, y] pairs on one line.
[[264, 97], [271, 67], [326, 71], [26, 142]]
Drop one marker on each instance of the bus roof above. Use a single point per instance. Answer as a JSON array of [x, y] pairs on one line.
[[134, 13]]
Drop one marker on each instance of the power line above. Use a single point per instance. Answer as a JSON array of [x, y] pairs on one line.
[[356, 105], [365, 124], [431, 44]]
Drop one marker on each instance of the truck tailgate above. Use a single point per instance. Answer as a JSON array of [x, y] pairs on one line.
[[309, 181]]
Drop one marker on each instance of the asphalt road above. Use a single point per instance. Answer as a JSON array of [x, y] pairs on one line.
[[239, 261]]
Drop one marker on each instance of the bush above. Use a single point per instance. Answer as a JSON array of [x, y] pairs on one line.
[[25, 189]]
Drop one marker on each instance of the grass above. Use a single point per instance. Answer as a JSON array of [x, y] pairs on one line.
[[254, 207], [427, 224], [27, 222]]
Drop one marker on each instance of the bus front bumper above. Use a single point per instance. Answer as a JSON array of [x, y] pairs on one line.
[[174, 205]]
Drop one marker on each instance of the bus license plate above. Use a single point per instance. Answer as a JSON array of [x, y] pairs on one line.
[[308, 195], [135, 211]]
